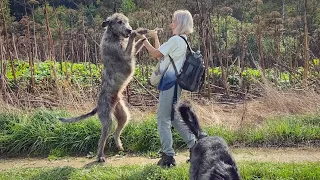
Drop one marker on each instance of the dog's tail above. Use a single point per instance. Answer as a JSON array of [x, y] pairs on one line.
[[79, 118], [191, 120]]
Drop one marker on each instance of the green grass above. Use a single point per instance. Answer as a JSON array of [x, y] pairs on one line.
[[248, 170], [40, 133], [285, 131]]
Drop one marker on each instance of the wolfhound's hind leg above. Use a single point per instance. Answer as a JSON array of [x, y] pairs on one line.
[[122, 115], [104, 114]]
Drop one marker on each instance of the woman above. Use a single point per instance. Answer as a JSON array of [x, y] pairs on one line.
[[176, 47]]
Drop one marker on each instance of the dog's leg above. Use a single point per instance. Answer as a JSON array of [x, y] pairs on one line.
[[130, 43], [122, 115], [104, 114], [106, 123], [138, 46], [114, 100]]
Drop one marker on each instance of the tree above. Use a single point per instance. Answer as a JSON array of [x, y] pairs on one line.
[[306, 47], [258, 19], [275, 29], [4, 15]]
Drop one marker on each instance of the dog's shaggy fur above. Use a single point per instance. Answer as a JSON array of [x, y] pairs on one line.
[[117, 53], [210, 156]]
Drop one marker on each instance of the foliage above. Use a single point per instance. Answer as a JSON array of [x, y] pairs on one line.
[[83, 15], [76, 31], [5, 10], [127, 6], [229, 27], [79, 74]]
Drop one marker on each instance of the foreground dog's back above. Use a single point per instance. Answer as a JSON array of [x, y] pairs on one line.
[[210, 157]]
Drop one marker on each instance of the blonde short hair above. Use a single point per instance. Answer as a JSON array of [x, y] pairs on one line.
[[184, 22]]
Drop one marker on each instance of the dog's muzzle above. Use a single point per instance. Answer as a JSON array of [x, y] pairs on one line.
[[128, 31]]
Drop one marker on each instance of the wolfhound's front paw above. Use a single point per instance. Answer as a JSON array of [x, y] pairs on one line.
[[133, 34], [101, 159]]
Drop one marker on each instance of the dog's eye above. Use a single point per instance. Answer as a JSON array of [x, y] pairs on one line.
[[119, 22]]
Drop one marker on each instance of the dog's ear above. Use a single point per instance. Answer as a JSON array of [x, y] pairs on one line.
[[105, 23]]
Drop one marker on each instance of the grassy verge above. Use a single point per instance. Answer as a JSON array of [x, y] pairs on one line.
[[41, 133], [248, 170]]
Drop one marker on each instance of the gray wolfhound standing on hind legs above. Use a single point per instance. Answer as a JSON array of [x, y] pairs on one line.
[[210, 158], [117, 53]]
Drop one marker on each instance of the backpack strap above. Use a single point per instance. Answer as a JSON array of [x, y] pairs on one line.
[[174, 100], [189, 48], [174, 66], [203, 77]]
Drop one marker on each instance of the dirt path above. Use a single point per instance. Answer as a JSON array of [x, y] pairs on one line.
[[247, 154]]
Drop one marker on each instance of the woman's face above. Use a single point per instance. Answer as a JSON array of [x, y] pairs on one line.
[[173, 24]]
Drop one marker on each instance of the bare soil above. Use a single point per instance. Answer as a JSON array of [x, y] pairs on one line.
[[297, 155]]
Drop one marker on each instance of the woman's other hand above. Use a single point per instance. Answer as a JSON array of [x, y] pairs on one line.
[[154, 33]]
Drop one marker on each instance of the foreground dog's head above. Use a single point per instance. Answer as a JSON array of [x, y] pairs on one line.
[[210, 156], [118, 25]]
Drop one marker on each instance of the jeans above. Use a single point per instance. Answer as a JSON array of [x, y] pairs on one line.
[[164, 122]]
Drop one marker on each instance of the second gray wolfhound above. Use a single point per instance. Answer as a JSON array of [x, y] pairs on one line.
[[117, 53], [210, 158]]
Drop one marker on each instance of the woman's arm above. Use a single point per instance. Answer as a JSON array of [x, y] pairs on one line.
[[154, 35], [153, 51]]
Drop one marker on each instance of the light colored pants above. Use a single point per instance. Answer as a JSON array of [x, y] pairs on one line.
[[164, 122]]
